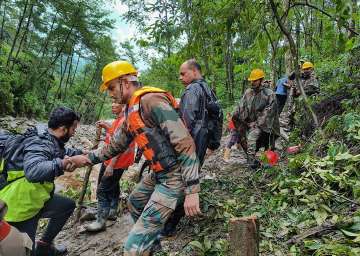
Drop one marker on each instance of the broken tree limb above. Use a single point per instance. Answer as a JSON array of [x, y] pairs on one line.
[[86, 179], [244, 236], [312, 231]]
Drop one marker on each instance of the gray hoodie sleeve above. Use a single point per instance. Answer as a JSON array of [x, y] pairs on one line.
[[39, 162]]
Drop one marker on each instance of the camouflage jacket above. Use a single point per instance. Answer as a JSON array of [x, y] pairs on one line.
[[310, 84], [259, 107], [156, 111]]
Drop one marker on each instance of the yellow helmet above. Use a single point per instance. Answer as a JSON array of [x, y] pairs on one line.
[[256, 74], [307, 65], [114, 70]]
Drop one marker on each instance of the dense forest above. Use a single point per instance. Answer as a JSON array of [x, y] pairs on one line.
[[52, 52]]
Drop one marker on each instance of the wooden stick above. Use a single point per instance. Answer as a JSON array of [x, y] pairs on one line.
[[244, 236], [86, 179]]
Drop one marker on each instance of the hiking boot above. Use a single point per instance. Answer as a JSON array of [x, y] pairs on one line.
[[100, 223], [46, 249], [254, 165], [156, 247], [168, 231], [112, 214]]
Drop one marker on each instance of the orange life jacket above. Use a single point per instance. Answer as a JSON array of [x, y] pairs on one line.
[[126, 159], [155, 145]]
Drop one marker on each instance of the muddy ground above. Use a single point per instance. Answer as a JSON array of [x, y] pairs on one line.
[[111, 241]]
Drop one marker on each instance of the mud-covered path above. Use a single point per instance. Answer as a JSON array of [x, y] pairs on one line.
[[110, 242], [105, 243]]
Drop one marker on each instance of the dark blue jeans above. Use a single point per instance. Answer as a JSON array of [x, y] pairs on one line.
[[58, 209], [108, 190]]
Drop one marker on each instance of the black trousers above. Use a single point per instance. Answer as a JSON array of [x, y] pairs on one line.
[[108, 190], [58, 209], [281, 100]]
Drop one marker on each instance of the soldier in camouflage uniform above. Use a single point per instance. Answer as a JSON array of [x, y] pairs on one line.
[[175, 164], [308, 79], [258, 111], [311, 88]]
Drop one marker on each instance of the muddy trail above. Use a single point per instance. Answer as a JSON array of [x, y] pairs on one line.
[[220, 182], [110, 242]]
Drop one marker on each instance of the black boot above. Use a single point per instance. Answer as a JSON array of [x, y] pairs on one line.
[[46, 249], [156, 247]]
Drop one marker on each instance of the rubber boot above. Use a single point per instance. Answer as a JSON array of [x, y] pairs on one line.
[[45, 249], [100, 223], [112, 214], [156, 247], [227, 154]]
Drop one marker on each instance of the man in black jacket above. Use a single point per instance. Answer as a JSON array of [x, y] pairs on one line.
[[29, 192], [193, 108], [194, 112]]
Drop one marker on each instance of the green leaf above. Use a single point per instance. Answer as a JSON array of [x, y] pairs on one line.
[[320, 216], [196, 245], [349, 233], [207, 243]]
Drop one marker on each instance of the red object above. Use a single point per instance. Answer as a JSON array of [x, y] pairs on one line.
[[272, 157], [231, 125], [4, 229], [125, 159], [293, 149]]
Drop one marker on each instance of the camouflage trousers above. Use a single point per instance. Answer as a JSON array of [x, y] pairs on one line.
[[151, 204], [256, 138]]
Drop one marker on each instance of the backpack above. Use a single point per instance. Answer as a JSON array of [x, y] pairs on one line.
[[11, 147], [215, 118]]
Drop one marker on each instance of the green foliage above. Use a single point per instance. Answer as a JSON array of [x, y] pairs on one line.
[[52, 54], [210, 248]]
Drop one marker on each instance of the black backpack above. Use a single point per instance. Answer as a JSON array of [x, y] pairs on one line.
[[215, 118], [11, 147]]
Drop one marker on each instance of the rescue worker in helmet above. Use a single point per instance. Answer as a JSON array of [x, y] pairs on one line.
[[154, 124], [309, 80], [258, 111]]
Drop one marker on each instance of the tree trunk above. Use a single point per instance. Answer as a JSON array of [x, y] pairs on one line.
[[44, 48], [353, 22], [273, 57], [101, 108], [76, 67], [229, 65], [17, 33], [3, 23], [87, 88], [244, 236], [25, 32], [58, 53], [296, 61], [69, 72], [62, 75]]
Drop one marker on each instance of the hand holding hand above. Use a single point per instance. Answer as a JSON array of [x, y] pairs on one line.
[[80, 160], [192, 205]]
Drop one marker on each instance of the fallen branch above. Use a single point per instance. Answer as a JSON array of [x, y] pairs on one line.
[[312, 231]]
